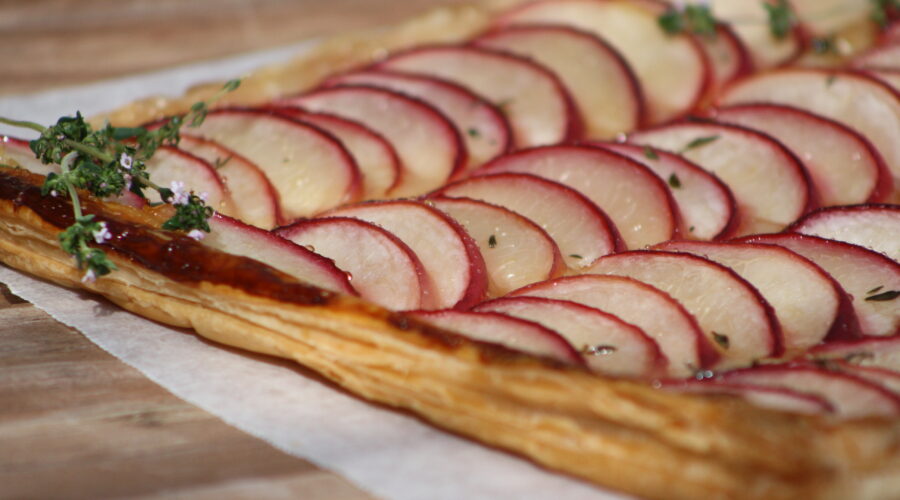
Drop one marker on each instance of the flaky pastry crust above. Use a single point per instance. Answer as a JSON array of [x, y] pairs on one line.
[[621, 434]]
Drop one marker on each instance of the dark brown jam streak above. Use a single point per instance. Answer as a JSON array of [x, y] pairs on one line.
[[181, 258]]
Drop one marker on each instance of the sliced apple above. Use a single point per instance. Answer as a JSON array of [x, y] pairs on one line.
[[891, 77], [310, 169], [862, 273], [770, 185], [17, 153], [383, 269], [516, 251], [255, 198], [608, 344], [455, 267], [881, 57], [776, 398], [170, 165], [637, 201], [844, 167], [496, 328], [580, 229], [672, 69], [707, 207], [538, 107], [605, 89], [662, 318], [750, 22], [732, 313], [792, 284], [825, 17], [430, 148], [889, 379], [852, 397], [235, 237], [481, 124], [727, 55], [881, 352], [376, 157], [869, 106], [871, 226]]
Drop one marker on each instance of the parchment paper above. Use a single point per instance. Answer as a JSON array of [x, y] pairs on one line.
[[389, 454]]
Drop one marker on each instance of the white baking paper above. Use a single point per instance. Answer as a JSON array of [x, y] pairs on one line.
[[391, 455]]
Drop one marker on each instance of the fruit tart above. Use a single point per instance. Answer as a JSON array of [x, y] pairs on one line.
[[649, 245]]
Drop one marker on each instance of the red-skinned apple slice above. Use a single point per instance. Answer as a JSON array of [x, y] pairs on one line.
[[17, 152], [430, 148], [254, 197], [871, 226], [604, 87], [635, 199], [383, 269], [455, 267], [750, 22], [881, 352], [730, 311], [482, 126], [823, 18], [851, 396], [496, 328], [538, 107], [770, 185], [861, 272], [608, 344], [869, 106], [793, 286], [170, 167], [844, 167], [662, 318], [672, 69], [889, 379], [311, 170], [233, 236], [880, 57], [890, 77], [707, 207], [727, 55], [580, 229], [376, 158], [776, 398], [516, 251]]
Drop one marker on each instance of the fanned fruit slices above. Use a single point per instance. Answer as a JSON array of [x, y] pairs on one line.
[[583, 183]]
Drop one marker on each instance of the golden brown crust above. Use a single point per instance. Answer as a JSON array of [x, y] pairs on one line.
[[617, 433]]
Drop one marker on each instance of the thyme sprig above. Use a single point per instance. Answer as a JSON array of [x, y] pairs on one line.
[[106, 162], [696, 19]]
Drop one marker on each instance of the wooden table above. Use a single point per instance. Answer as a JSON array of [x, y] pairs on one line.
[[74, 421]]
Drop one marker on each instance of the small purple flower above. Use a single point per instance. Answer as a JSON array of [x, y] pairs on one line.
[[179, 195], [89, 277], [103, 234], [126, 161]]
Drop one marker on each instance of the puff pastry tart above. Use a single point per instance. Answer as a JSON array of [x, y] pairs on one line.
[[626, 240]]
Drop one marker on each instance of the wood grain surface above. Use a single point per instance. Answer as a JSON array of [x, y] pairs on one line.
[[74, 421]]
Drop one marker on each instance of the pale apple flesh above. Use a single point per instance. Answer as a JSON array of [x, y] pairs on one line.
[[382, 268], [656, 313], [496, 328], [607, 344], [637, 201], [516, 251], [539, 109]]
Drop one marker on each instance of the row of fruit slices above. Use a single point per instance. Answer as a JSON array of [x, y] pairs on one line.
[[641, 255]]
